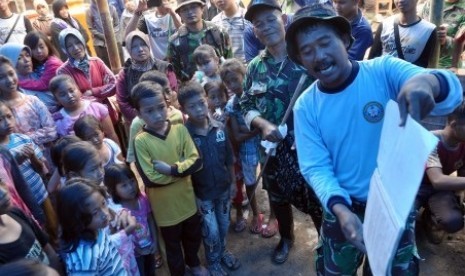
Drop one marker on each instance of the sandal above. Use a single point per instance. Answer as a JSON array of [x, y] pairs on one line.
[[158, 261], [240, 225], [230, 261], [256, 226], [270, 229]]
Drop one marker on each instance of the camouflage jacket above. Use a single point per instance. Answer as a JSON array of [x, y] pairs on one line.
[[268, 88], [183, 43]]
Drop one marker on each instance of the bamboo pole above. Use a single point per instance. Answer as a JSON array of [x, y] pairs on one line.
[[110, 36], [435, 17]]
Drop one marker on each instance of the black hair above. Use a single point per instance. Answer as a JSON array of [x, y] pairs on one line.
[[204, 52], [160, 78], [189, 90], [57, 149], [76, 155], [216, 85], [56, 81], [155, 76], [144, 90], [232, 66], [72, 214], [116, 174], [458, 113], [57, 5], [340, 33], [24, 267], [32, 39], [5, 60], [85, 123]]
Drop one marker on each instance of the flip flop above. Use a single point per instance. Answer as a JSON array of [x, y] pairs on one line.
[[158, 261], [256, 228], [270, 230], [240, 225]]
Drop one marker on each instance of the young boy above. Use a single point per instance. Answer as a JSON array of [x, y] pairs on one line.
[[212, 183], [231, 18], [405, 35], [166, 156], [443, 211], [174, 115], [338, 122], [232, 73], [361, 29]]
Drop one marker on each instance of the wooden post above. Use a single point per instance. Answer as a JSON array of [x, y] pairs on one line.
[[110, 36], [20, 6], [435, 17]]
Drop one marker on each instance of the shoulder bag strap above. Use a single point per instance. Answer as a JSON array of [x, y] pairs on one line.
[[12, 29], [400, 54]]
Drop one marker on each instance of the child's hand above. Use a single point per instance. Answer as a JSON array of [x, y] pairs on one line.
[[219, 115], [132, 224], [25, 153], [88, 93], [161, 167]]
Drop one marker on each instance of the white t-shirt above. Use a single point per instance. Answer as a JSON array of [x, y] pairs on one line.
[[159, 30], [19, 32]]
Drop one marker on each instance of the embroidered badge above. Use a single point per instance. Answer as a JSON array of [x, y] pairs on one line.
[[220, 137], [373, 112]]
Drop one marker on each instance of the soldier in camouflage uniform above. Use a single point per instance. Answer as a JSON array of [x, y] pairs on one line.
[[190, 35], [269, 84], [453, 19]]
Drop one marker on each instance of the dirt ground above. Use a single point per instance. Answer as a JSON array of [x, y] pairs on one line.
[[448, 258]]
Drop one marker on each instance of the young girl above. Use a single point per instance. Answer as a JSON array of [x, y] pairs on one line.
[[93, 78], [68, 95], [207, 62], [83, 213], [217, 96], [90, 129], [245, 144], [20, 237], [32, 116], [45, 64], [81, 159], [124, 189], [58, 179], [63, 20], [31, 164]]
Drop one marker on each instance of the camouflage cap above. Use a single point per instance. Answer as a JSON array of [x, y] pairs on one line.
[[310, 15], [256, 5], [182, 3]]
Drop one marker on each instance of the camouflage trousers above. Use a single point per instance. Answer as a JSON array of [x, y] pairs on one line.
[[336, 256]]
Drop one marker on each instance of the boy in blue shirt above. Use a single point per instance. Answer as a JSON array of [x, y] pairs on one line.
[[212, 183]]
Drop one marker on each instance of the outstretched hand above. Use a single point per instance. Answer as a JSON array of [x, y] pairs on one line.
[[418, 101]]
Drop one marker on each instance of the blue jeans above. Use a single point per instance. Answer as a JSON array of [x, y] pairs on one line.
[[215, 224]]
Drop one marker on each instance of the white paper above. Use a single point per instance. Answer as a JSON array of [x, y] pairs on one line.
[[402, 156]]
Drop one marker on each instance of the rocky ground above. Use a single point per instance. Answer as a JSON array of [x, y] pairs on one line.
[[448, 258]]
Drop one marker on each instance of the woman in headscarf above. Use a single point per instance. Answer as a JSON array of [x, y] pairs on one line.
[[63, 20], [141, 61], [92, 76]]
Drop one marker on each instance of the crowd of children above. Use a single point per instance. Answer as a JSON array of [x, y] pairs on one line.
[[73, 199]]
